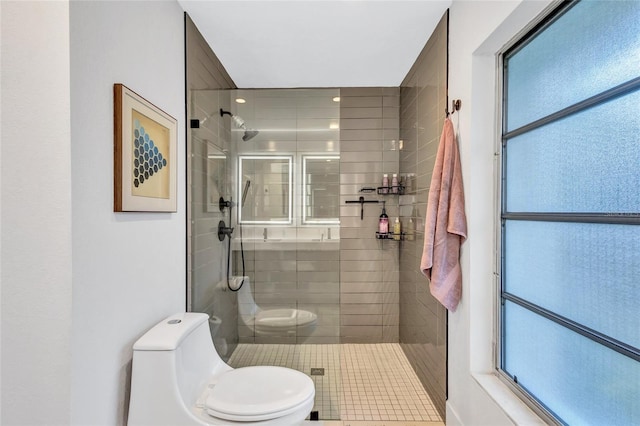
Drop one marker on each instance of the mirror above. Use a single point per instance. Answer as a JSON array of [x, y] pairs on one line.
[[216, 184], [321, 189], [269, 196]]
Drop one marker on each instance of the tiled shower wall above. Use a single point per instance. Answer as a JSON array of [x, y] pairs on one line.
[[369, 134], [297, 265], [423, 321]]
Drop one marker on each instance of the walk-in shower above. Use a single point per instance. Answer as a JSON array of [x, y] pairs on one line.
[[302, 281]]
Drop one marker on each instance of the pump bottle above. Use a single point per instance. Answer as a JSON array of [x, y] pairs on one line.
[[397, 229], [383, 223]]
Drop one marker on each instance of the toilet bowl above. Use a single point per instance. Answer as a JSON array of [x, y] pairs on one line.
[[179, 379], [283, 322]]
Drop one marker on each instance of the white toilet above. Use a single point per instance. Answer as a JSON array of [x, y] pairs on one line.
[[280, 322], [179, 379]]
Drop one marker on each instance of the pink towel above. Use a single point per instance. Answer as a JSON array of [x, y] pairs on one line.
[[445, 224]]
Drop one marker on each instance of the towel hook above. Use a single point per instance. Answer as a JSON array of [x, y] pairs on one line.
[[456, 104]]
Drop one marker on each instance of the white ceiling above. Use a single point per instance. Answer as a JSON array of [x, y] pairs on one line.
[[316, 43]]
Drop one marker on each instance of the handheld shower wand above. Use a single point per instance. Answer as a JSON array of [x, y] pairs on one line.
[[245, 191]]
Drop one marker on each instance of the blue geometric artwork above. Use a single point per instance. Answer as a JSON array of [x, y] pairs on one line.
[[147, 157]]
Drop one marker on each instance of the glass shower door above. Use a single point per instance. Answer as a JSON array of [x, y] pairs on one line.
[[276, 157]]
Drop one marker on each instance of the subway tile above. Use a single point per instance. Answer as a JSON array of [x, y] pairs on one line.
[[361, 298], [361, 330], [359, 244], [363, 255], [319, 331], [348, 113], [318, 276], [318, 135], [322, 298], [360, 265], [360, 277], [361, 287], [391, 101], [360, 101], [361, 91], [361, 309], [360, 157], [319, 287], [362, 179], [362, 123], [272, 254], [274, 287], [324, 255], [391, 91], [270, 265], [361, 145], [393, 320], [319, 112], [325, 101], [276, 301], [390, 309], [350, 168], [271, 276], [362, 134], [392, 112], [390, 334], [328, 146], [350, 320], [316, 265]]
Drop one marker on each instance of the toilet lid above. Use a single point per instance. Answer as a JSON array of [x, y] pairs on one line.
[[259, 393]]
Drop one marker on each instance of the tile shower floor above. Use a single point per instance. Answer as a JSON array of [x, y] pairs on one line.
[[360, 381]]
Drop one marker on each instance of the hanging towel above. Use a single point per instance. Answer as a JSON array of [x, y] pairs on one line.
[[445, 223]]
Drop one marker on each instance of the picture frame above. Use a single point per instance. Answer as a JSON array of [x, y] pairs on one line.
[[145, 154]]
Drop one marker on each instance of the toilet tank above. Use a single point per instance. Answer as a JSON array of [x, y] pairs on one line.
[[172, 363]]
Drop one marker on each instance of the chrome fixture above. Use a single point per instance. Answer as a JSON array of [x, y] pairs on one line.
[[239, 122]]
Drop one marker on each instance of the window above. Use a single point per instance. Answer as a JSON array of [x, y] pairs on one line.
[[570, 194]]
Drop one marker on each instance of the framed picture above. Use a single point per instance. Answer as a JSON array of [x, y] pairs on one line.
[[145, 155]]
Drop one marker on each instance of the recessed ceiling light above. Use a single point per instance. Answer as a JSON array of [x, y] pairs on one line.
[[240, 101], [336, 99], [334, 126]]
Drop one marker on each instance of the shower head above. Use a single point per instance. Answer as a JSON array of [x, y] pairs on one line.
[[239, 122], [245, 191], [248, 134]]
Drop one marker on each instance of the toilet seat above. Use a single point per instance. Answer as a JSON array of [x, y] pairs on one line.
[[258, 393]]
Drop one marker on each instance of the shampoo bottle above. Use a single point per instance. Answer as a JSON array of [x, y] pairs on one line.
[[385, 183], [397, 229], [394, 183], [383, 223], [411, 230]]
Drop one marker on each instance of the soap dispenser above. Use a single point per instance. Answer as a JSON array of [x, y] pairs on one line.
[[397, 229], [383, 223]]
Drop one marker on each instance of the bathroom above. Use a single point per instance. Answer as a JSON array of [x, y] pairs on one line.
[[301, 237], [90, 300]]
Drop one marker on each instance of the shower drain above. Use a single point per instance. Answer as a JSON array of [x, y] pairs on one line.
[[317, 371]]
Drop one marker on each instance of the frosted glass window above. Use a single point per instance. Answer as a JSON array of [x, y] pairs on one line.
[[570, 253], [589, 49], [580, 381], [585, 272], [587, 162]]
